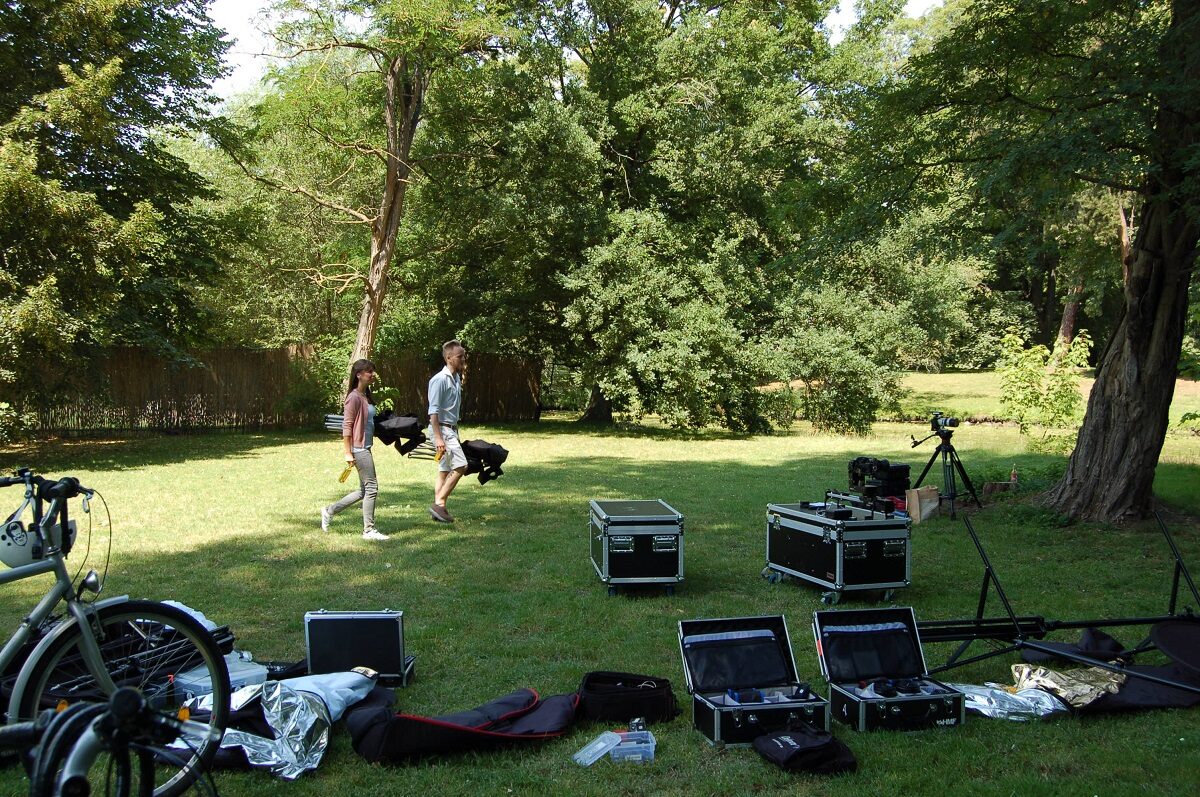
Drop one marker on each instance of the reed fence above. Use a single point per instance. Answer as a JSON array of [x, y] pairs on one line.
[[252, 389]]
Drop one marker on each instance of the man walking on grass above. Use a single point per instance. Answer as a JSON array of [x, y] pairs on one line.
[[445, 402]]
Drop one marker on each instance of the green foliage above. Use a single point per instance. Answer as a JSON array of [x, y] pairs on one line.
[[839, 346], [1040, 389], [656, 323], [13, 423], [99, 240]]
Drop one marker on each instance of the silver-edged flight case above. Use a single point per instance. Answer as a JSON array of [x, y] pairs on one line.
[[340, 641], [844, 544], [742, 677], [636, 542], [873, 661]]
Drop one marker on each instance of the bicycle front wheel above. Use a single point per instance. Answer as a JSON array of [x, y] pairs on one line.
[[148, 646]]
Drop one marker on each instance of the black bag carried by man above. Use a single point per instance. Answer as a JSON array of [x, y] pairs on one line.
[[806, 749]]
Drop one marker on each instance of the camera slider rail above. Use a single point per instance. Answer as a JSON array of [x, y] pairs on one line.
[[1020, 632]]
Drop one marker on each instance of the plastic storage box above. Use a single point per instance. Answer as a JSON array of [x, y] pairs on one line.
[[634, 746], [196, 683]]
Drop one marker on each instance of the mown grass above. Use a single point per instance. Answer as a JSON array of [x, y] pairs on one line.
[[976, 394], [507, 597]]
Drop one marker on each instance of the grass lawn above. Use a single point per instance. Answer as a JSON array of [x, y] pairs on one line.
[[507, 597], [976, 394]]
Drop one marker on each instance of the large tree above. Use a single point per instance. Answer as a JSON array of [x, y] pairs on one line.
[[100, 239], [354, 91], [1105, 92]]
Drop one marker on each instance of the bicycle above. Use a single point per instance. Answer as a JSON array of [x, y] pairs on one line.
[[102, 645], [67, 744]]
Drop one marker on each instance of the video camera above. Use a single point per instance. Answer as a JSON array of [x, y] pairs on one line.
[[877, 477], [940, 422]]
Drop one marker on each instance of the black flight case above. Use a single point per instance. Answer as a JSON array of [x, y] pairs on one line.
[[844, 543], [340, 641], [876, 670], [636, 542], [742, 677]]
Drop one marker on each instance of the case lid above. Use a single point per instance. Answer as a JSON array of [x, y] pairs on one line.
[[635, 511], [736, 653], [864, 644], [822, 512]]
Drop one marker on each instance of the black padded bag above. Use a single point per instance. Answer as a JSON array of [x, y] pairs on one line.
[[622, 696], [805, 749]]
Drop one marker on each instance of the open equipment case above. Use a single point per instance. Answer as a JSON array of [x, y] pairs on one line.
[[875, 667], [636, 542], [844, 544], [742, 677]]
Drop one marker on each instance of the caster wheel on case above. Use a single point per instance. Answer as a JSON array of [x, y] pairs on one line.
[[775, 578], [830, 598], [612, 591], [888, 594], [670, 589], [766, 573]]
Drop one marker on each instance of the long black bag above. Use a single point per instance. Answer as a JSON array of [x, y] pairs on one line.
[[380, 734], [622, 696]]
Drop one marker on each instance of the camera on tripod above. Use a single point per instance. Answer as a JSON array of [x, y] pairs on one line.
[[941, 422], [942, 426]]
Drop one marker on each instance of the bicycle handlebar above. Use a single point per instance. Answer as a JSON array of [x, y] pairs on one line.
[[66, 487]]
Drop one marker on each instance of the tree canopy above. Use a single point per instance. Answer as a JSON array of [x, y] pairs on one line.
[[99, 238]]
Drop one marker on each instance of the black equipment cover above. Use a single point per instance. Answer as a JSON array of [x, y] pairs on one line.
[[403, 431], [806, 749], [380, 734], [622, 696], [485, 459]]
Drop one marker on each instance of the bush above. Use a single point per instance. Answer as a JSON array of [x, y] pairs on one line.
[[13, 424], [1040, 389]]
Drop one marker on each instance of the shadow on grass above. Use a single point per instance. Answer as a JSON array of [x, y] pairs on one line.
[[126, 453]]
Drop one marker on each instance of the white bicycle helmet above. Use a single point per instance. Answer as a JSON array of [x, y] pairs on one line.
[[17, 543]]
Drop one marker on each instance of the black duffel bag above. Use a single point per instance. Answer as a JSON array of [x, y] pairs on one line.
[[623, 696]]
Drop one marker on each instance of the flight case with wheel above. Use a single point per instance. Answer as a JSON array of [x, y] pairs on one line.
[[742, 677], [876, 670], [843, 544], [636, 542]]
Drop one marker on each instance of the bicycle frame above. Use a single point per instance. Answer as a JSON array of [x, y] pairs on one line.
[[80, 614]]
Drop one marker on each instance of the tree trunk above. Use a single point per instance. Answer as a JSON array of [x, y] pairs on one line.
[[1070, 314], [403, 92], [598, 409], [1111, 472]]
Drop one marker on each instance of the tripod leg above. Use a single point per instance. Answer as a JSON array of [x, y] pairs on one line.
[[966, 479], [949, 488], [928, 465]]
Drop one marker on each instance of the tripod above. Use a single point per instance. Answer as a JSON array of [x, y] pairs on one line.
[[950, 464]]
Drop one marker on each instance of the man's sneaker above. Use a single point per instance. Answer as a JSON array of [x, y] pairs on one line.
[[440, 514], [326, 516], [374, 535]]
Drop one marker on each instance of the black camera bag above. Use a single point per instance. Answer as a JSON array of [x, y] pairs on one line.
[[806, 749], [622, 696]]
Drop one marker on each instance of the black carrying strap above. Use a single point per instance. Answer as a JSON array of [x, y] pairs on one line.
[[806, 749], [623, 696]]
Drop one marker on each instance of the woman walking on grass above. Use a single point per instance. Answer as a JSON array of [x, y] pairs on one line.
[[358, 428]]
